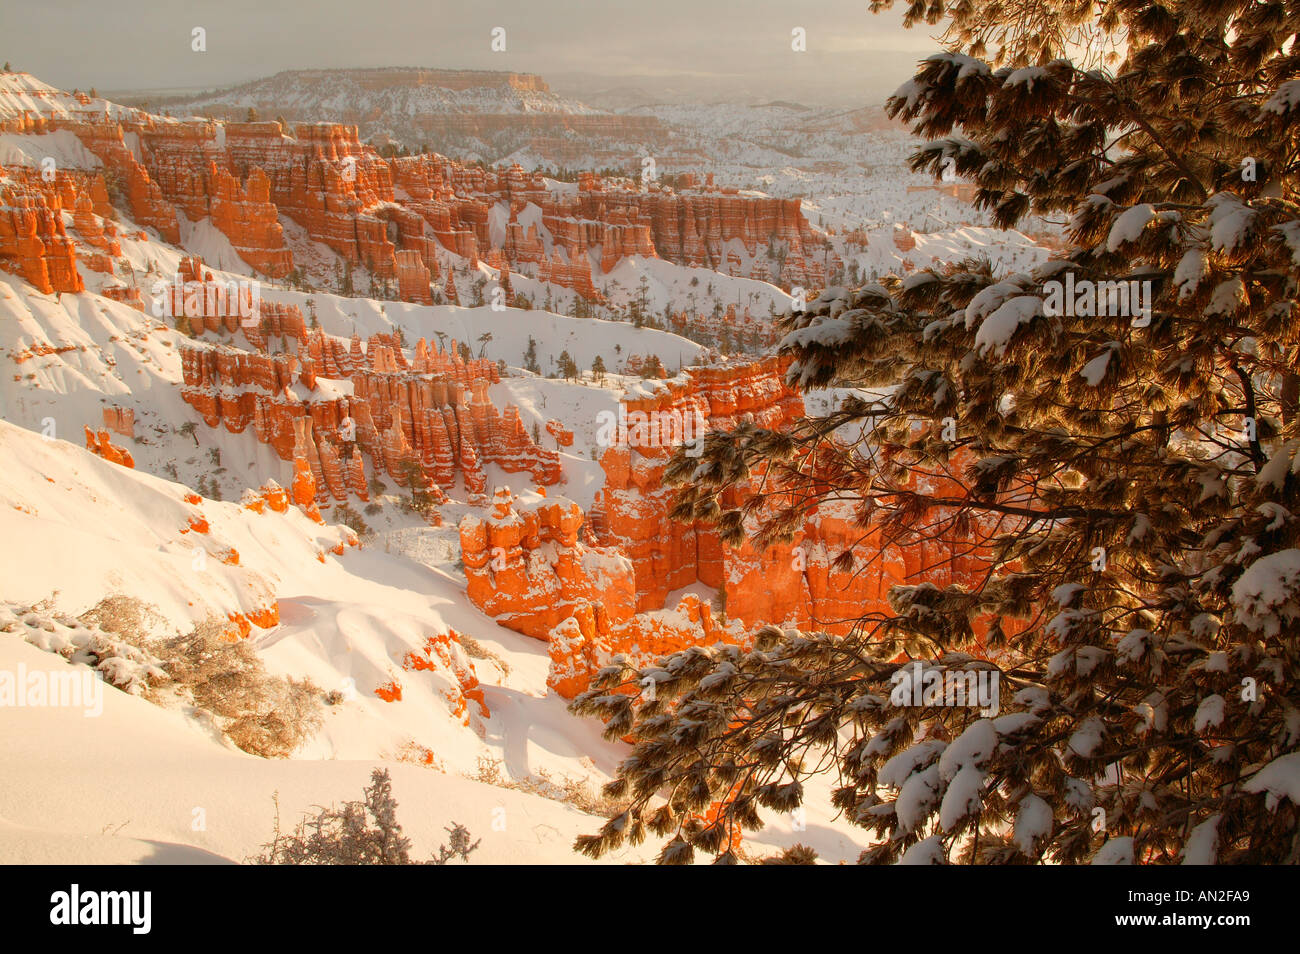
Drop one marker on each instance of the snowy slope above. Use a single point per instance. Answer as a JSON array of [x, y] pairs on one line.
[[23, 93], [142, 784], [90, 528]]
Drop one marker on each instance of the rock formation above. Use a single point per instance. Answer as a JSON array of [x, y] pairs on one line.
[[99, 442], [412, 278], [526, 566], [242, 176], [33, 241], [333, 402], [120, 420], [443, 654], [586, 640]]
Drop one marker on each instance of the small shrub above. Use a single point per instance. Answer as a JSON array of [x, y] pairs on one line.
[[571, 791], [474, 650], [262, 714], [364, 832], [124, 616], [345, 515], [121, 656]]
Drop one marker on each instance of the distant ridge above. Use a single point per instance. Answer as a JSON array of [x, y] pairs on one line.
[[410, 76], [487, 111]]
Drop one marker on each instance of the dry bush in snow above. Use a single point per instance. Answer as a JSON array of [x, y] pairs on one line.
[[262, 714], [362, 832]]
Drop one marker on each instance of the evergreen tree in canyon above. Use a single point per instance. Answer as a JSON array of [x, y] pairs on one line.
[[1128, 478]]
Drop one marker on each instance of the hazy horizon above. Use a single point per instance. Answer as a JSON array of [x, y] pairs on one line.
[[728, 50]]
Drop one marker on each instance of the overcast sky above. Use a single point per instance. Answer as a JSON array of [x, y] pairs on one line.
[[139, 44]]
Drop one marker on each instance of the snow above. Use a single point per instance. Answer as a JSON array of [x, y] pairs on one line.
[[1230, 222], [1290, 232], [1116, 851], [902, 766], [1065, 594], [916, 798], [1154, 712], [22, 93], [1095, 370], [996, 331], [989, 299], [972, 749], [1034, 698], [63, 147], [1280, 778], [928, 851], [1285, 99], [823, 331], [1192, 267], [205, 240], [135, 784], [93, 528], [1228, 297], [343, 623], [118, 663], [961, 799], [1212, 483], [510, 328], [1064, 623], [1026, 76], [1078, 795], [1014, 722], [1282, 461], [1202, 847], [968, 66], [1088, 658], [1033, 823], [1209, 713], [910, 93], [1129, 225], [1132, 646], [1267, 595], [1085, 739], [1277, 514]]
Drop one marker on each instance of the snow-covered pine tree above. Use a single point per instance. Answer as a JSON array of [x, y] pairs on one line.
[[1137, 482]]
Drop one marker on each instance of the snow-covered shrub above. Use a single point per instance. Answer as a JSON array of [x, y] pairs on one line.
[[263, 714], [119, 655], [260, 713]]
